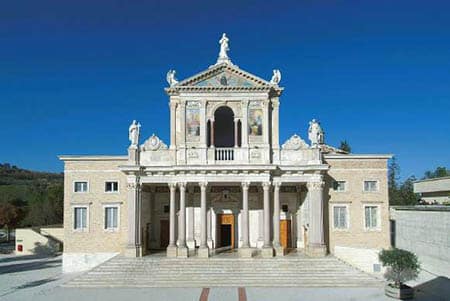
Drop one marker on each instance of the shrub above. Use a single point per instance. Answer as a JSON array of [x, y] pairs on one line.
[[401, 265]]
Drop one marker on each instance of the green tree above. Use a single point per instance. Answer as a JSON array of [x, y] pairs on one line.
[[345, 146], [9, 216], [439, 172], [393, 181], [406, 192]]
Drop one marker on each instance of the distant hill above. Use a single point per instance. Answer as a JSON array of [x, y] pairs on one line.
[[13, 175], [38, 194]]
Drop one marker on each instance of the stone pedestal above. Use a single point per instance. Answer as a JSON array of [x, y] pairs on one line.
[[316, 251], [171, 251], [279, 251], [182, 252], [133, 251], [245, 252], [267, 252], [203, 252]]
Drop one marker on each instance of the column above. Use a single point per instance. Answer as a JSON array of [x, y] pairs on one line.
[[316, 243], [245, 250], [275, 129], [182, 248], [279, 250], [267, 250], [236, 121], [212, 132], [266, 121], [134, 246], [173, 129], [172, 248], [244, 124], [203, 251]]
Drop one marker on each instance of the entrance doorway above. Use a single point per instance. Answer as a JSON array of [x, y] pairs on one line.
[[225, 230], [285, 233], [164, 233]]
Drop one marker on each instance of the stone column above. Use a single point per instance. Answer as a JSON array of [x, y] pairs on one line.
[[203, 250], [279, 250], [236, 121], [267, 250], [244, 124], [172, 248], [173, 129], [316, 243], [266, 122], [245, 250], [134, 245], [275, 130], [182, 248], [212, 132]]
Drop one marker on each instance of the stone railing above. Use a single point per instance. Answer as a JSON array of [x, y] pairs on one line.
[[224, 154]]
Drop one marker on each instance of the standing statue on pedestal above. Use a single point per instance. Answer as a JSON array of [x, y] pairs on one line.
[[170, 77], [315, 133], [134, 132], [223, 56]]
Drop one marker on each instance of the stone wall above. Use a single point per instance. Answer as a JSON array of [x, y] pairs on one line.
[[425, 231]]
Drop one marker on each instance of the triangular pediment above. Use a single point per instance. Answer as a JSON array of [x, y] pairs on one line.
[[224, 75]]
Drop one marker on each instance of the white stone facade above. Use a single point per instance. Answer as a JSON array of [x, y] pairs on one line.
[[224, 181]]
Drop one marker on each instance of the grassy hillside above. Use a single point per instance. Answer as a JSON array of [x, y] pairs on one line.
[[38, 195]]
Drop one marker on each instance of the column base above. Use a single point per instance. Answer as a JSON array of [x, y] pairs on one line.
[[245, 252], [133, 251], [203, 252], [267, 252], [182, 252], [279, 251], [190, 244], [316, 250], [171, 251]]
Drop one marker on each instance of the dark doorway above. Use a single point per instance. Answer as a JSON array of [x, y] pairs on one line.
[[224, 127], [225, 235], [164, 234]]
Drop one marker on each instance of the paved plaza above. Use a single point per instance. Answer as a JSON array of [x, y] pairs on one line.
[[33, 278]]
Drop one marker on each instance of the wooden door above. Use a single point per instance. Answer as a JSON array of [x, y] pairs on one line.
[[226, 219], [164, 233], [285, 233]]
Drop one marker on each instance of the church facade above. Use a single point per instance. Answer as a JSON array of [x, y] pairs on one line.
[[225, 182]]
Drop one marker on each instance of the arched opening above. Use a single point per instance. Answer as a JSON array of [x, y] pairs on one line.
[[208, 132], [224, 127]]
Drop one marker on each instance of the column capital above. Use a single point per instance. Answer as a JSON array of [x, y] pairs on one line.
[[245, 185], [172, 185], [203, 184], [133, 186], [266, 185], [315, 185], [182, 185], [277, 184]]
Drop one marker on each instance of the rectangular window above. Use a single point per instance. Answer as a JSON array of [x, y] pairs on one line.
[[81, 186], [166, 208], [111, 186], [111, 217], [80, 218], [371, 186], [371, 217], [339, 186], [340, 217]]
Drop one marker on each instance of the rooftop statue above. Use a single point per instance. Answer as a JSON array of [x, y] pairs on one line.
[[134, 132], [170, 77], [276, 77], [223, 55], [315, 133]]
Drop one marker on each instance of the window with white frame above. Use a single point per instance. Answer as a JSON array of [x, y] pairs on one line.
[[339, 186], [370, 186], [111, 217], [371, 217], [340, 217], [80, 218], [80, 186], [111, 186]]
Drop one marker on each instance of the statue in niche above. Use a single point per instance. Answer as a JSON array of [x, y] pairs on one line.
[[276, 77], [170, 77], [134, 132], [315, 133]]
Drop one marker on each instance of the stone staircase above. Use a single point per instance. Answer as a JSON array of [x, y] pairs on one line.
[[298, 271]]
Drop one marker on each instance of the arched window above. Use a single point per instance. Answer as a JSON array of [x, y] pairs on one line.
[[224, 127]]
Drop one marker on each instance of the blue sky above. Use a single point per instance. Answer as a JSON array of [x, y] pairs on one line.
[[73, 74]]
